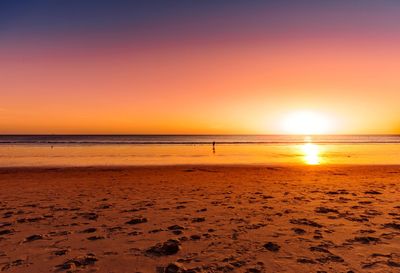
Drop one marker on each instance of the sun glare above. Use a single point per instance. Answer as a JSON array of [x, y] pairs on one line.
[[311, 154], [306, 123]]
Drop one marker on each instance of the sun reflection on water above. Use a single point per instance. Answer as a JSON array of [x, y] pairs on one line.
[[311, 154]]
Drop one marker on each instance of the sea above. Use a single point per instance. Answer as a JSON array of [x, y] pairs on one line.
[[137, 150]]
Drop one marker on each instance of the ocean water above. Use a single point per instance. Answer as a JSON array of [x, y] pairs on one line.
[[112, 150]]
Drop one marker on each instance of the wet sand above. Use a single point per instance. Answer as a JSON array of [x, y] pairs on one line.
[[200, 219]]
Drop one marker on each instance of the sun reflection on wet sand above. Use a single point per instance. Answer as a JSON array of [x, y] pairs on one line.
[[311, 154]]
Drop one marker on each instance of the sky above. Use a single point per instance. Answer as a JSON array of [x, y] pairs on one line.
[[198, 67]]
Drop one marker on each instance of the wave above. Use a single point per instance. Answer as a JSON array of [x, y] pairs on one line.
[[194, 139]]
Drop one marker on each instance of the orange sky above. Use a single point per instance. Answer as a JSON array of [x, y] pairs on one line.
[[243, 82]]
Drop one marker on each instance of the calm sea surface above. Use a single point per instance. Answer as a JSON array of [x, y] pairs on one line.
[[95, 150]]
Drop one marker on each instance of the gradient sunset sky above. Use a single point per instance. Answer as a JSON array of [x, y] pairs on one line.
[[197, 66]]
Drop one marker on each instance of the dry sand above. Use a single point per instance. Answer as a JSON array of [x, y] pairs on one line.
[[203, 218]]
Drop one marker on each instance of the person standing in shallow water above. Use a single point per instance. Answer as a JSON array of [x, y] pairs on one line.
[[213, 145]]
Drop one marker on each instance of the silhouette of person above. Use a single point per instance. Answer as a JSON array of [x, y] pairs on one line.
[[213, 147]]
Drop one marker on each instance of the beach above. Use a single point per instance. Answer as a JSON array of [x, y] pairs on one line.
[[200, 218], [199, 136]]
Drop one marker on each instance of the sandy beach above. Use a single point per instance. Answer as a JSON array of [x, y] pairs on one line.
[[200, 219], [199, 136]]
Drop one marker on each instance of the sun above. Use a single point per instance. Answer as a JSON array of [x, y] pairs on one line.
[[306, 123]]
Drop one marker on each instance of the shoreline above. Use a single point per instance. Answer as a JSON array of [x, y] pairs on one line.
[[222, 165]]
